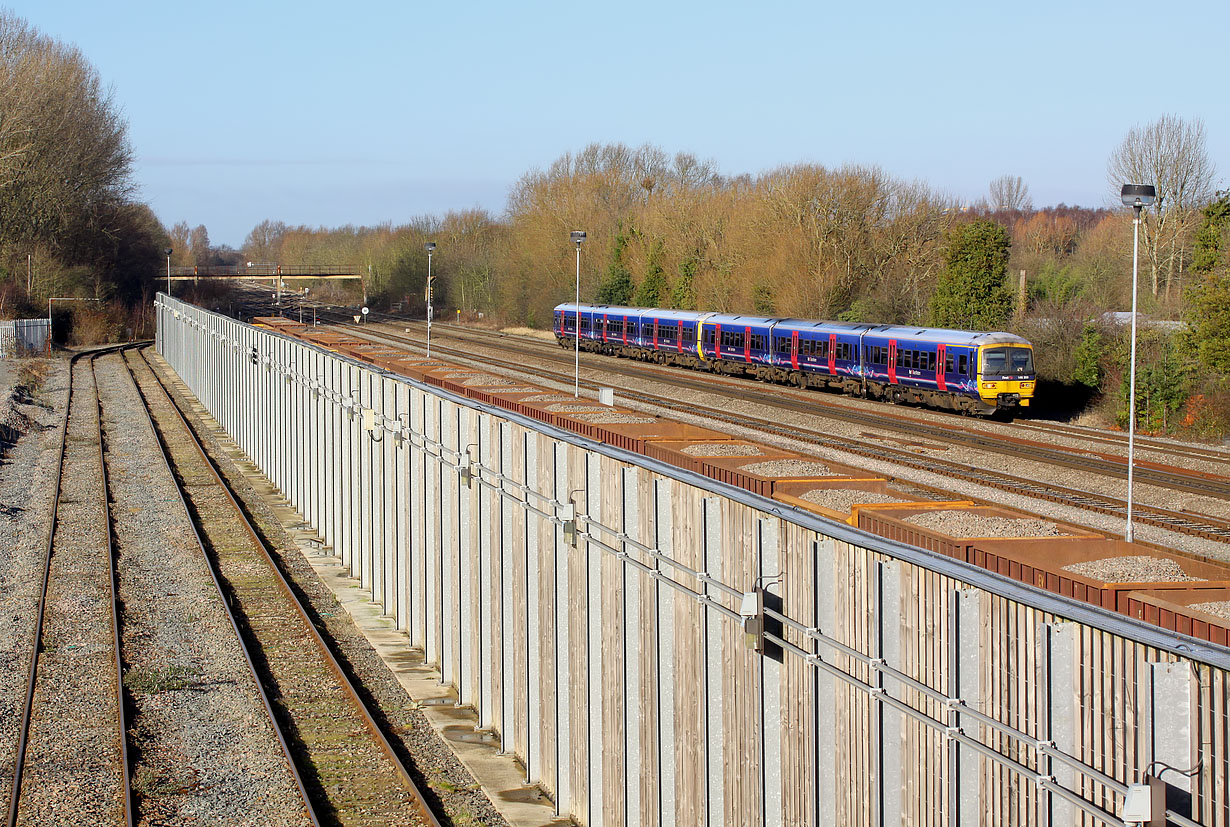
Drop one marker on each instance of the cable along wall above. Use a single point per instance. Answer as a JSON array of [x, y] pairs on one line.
[[586, 602]]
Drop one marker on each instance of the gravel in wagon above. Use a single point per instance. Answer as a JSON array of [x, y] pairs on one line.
[[1137, 569], [549, 397], [843, 499], [782, 468], [208, 753], [722, 449], [574, 409], [615, 418], [962, 523], [1220, 608], [515, 390], [487, 382]]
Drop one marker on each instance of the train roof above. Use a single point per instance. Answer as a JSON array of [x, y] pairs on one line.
[[902, 333], [739, 320], [938, 335], [827, 327]]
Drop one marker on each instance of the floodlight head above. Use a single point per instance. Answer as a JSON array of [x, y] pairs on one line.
[[577, 236], [167, 252], [1138, 195], [430, 246]]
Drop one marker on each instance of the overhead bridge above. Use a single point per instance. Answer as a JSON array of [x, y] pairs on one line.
[[263, 271], [658, 647]]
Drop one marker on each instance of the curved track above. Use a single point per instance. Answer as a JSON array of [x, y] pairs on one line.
[[330, 718], [35, 715], [82, 743]]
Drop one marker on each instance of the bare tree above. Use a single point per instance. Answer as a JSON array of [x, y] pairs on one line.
[[64, 154], [1010, 192], [1170, 154]]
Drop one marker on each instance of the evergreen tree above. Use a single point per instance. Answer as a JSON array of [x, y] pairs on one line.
[[652, 289], [762, 299], [1208, 314], [972, 291], [683, 296], [616, 287]]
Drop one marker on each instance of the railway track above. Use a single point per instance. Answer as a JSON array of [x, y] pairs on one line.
[[348, 768], [78, 603], [1083, 459], [85, 753], [1193, 524]]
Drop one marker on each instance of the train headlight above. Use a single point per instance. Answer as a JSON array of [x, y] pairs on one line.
[[990, 385], [1027, 386]]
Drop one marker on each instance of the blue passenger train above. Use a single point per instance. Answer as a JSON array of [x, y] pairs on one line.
[[959, 370]]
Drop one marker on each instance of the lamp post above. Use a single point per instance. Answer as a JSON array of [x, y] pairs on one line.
[[167, 252], [1136, 196], [430, 246], [577, 237]]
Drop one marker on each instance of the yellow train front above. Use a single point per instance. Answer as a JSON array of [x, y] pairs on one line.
[[1006, 377]]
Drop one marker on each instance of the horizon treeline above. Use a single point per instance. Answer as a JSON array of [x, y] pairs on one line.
[[851, 242]]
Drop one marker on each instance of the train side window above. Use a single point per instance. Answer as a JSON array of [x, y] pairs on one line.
[[930, 361], [963, 365], [822, 348], [709, 336], [783, 345], [689, 335], [757, 341], [948, 363]]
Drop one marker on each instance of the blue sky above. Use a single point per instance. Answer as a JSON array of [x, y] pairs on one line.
[[362, 112]]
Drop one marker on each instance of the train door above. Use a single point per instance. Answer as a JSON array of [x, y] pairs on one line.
[[604, 327], [747, 345], [625, 331], [680, 345], [717, 341], [939, 368], [833, 354], [794, 349], [655, 334], [892, 361]]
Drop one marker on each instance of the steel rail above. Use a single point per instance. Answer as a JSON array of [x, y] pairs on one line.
[[235, 626], [23, 734], [1199, 525], [284, 586], [113, 585], [1106, 465]]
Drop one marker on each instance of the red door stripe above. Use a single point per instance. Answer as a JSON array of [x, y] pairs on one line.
[[747, 345], [892, 361], [939, 368], [794, 349], [833, 354]]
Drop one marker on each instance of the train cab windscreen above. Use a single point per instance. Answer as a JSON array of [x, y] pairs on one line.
[[1007, 361]]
